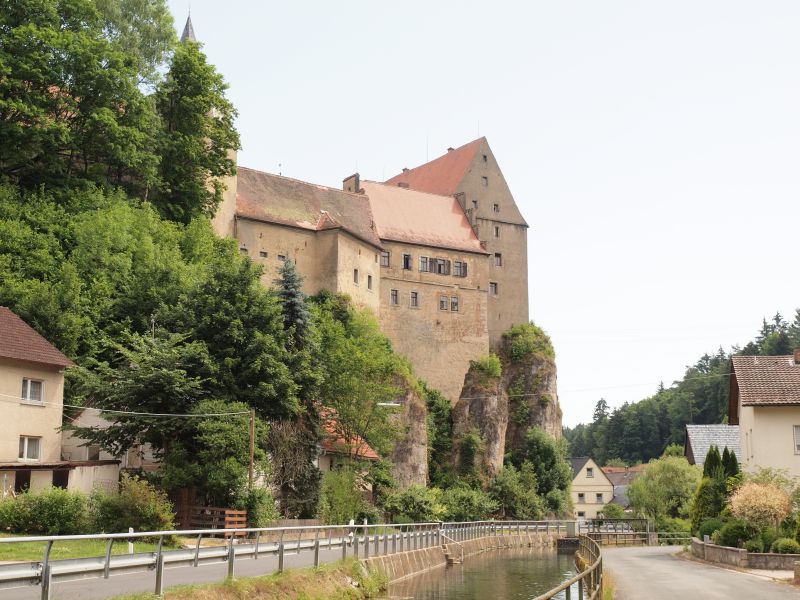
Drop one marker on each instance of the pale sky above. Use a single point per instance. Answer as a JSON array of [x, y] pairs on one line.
[[653, 147]]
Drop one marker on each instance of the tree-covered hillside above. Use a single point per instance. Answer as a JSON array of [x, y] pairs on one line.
[[636, 432]]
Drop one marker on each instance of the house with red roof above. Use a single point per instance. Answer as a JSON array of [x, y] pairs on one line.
[[32, 397], [764, 401]]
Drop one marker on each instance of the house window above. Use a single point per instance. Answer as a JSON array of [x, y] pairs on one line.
[[369, 282], [497, 208], [475, 204], [394, 297], [498, 259], [485, 158], [243, 250], [581, 498], [29, 447], [460, 268], [384, 259], [485, 181], [355, 276], [796, 439], [61, 478], [424, 264], [443, 302], [581, 514], [281, 257], [493, 288], [263, 253], [598, 498], [454, 303], [22, 481], [496, 231], [414, 302], [93, 452], [32, 390], [407, 262], [442, 266], [589, 472]]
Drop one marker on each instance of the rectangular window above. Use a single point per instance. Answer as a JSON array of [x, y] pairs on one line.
[[496, 231], [394, 297], [485, 158], [581, 498], [32, 390], [796, 439], [589, 472], [496, 208], [441, 266], [29, 447], [485, 181], [424, 264], [581, 514], [355, 276], [460, 268], [243, 250], [414, 302], [443, 302], [493, 288], [599, 498], [498, 259], [263, 253], [384, 259], [281, 257], [407, 262], [93, 452], [369, 282], [454, 303], [60, 478]]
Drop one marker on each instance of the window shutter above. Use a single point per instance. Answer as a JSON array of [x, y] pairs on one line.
[[447, 267], [464, 269]]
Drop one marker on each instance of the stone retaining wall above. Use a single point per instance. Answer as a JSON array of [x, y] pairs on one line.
[[739, 557], [405, 564]]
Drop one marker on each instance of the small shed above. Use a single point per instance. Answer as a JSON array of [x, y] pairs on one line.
[[699, 438]]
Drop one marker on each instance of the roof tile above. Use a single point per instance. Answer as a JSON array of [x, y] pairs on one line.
[[441, 175], [20, 341], [767, 380]]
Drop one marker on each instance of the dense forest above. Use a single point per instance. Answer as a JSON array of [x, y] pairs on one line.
[[637, 432]]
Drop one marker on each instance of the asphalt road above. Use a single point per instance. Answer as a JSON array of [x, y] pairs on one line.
[[655, 573], [133, 583]]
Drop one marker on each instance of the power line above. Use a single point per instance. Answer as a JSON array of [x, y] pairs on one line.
[[19, 399]]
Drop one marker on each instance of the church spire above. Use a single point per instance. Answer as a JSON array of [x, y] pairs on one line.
[[188, 31]]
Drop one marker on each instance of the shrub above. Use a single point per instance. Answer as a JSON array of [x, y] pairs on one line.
[[709, 500], [467, 504], [732, 534], [612, 511], [760, 504], [768, 537], [529, 340], [708, 527], [52, 511], [340, 498], [261, 509], [138, 505], [785, 546], [754, 545], [488, 367], [673, 525], [415, 504]]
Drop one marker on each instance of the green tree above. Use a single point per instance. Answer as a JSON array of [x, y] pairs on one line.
[[515, 492], [713, 462], [341, 498], [709, 500], [548, 457], [612, 511], [463, 503], [198, 138], [731, 466], [440, 436], [664, 488]]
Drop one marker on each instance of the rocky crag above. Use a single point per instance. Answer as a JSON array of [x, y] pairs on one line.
[[503, 397], [410, 455]]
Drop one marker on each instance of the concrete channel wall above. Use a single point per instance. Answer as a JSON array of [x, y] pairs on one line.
[[406, 564], [739, 557]]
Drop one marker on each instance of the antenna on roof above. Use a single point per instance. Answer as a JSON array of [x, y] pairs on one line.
[[279, 168]]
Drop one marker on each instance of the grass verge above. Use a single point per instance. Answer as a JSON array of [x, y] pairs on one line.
[[609, 586], [67, 549], [345, 580]]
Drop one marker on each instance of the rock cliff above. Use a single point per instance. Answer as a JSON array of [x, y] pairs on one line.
[[500, 408], [410, 455]]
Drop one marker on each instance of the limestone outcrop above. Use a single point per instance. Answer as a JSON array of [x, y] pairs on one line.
[[410, 455], [501, 408]]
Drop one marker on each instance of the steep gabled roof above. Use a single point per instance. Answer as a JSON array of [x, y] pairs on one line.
[[699, 438], [441, 175], [577, 464], [20, 341], [403, 215], [188, 31], [276, 199], [766, 380], [333, 442]]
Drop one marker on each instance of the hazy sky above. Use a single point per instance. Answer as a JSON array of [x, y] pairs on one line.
[[653, 147]]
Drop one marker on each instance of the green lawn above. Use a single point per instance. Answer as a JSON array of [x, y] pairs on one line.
[[69, 549]]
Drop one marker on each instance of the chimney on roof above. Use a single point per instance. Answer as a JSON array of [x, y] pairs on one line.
[[405, 169], [352, 183], [797, 356], [450, 149]]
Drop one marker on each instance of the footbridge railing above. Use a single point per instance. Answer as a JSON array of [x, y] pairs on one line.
[[588, 584]]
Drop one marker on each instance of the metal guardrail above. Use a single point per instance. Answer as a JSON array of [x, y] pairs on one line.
[[276, 541], [589, 581]]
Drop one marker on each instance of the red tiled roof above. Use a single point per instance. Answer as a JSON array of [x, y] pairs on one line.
[[285, 201], [334, 443], [767, 380], [20, 341], [441, 175], [415, 217]]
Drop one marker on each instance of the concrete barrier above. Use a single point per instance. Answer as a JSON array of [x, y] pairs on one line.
[[739, 557], [406, 564]]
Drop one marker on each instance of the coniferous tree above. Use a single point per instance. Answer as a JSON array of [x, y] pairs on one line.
[[713, 464], [726, 458], [732, 465], [296, 315]]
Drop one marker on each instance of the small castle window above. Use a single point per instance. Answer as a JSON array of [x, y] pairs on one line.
[[369, 282], [281, 257], [355, 276], [498, 259], [394, 297], [496, 231], [443, 302], [493, 288], [454, 303], [384, 259], [581, 497], [263, 253], [496, 208], [243, 250], [485, 181], [407, 262], [485, 158], [414, 303]]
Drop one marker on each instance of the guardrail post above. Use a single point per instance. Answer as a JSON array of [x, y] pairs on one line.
[[377, 550], [394, 543], [385, 542], [366, 544], [197, 550], [344, 546], [231, 558], [355, 545], [280, 556], [130, 541], [107, 565], [159, 575], [316, 553], [47, 578]]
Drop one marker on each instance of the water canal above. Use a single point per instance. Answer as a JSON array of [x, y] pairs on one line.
[[518, 574]]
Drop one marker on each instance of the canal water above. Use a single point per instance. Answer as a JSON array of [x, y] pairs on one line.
[[518, 574]]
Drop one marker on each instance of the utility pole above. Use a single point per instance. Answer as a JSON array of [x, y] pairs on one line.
[[252, 445]]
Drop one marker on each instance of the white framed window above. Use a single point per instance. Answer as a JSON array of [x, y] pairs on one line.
[[424, 264], [460, 268], [406, 262], [29, 447], [498, 259], [599, 498], [444, 302], [384, 259], [581, 498], [454, 303], [414, 300], [493, 288], [355, 276], [394, 297], [796, 439], [589, 471], [32, 391]]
